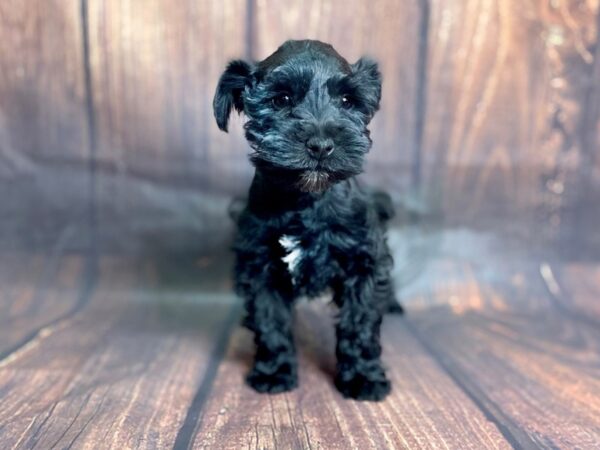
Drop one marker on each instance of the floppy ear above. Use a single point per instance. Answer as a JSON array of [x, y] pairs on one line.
[[366, 75], [229, 91]]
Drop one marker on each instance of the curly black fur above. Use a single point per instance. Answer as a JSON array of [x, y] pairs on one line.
[[308, 225]]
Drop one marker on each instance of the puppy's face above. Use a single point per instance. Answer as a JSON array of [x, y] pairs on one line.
[[308, 112]]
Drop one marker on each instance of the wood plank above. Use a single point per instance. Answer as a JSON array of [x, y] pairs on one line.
[[120, 374], [581, 217], [534, 369], [154, 70], [37, 291], [386, 30], [425, 410], [506, 82], [17, 271], [41, 84], [163, 165], [441, 259], [43, 121], [577, 286]]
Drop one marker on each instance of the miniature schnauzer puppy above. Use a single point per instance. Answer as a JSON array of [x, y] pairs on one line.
[[308, 226]]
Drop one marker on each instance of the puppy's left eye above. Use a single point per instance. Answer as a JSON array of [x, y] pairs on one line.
[[347, 102], [282, 100]]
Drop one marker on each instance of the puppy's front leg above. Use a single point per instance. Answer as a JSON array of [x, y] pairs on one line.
[[359, 371], [275, 368]]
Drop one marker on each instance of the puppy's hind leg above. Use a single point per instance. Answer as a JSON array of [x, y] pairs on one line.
[[384, 291], [270, 318]]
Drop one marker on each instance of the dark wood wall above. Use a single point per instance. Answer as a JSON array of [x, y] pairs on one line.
[[490, 115]]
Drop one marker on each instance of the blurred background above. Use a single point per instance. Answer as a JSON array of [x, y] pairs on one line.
[[489, 119]]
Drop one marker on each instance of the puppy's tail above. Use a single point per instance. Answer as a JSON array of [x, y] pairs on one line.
[[383, 205]]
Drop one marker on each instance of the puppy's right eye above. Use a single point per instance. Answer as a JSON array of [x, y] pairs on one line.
[[282, 100]]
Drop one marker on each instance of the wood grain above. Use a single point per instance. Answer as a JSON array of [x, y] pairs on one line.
[[506, 82], [163, 166], [38, 291], [43, 127], [579, 218], [494, 353], [154, 70], [576, 285], [510, 110], [121, 373], [41, 84], [527, 364], [425, 409], [386, 30]]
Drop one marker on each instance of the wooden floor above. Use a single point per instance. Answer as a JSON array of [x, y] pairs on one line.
[[499, 349]]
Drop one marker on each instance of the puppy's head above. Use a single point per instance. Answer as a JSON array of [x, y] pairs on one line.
[[308, 111]]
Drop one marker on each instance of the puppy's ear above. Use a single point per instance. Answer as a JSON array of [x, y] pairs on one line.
[[229, 91], [366, 75]]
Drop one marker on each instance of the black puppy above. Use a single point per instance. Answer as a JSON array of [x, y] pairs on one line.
[[308, 225]]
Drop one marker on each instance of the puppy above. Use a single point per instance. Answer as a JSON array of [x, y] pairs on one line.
[[308, 225]]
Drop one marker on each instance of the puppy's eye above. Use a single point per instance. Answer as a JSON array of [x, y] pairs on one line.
[[347, 102], [282, 100]]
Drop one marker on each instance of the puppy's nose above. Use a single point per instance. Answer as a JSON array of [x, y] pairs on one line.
[[319, 147]]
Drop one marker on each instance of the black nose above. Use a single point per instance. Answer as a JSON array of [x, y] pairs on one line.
[[319, 147]]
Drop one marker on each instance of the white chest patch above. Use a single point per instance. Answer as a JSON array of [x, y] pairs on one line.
[[294, 252]]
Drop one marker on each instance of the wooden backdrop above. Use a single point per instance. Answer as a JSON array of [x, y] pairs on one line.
[[490, 114]]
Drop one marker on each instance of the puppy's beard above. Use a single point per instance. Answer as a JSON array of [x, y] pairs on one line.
[[314, 181]]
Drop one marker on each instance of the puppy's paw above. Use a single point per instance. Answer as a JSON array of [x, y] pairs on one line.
[[360, 387], [271, 383]]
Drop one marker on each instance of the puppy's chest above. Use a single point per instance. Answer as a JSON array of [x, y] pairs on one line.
[[309, 257], [293, 254]]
